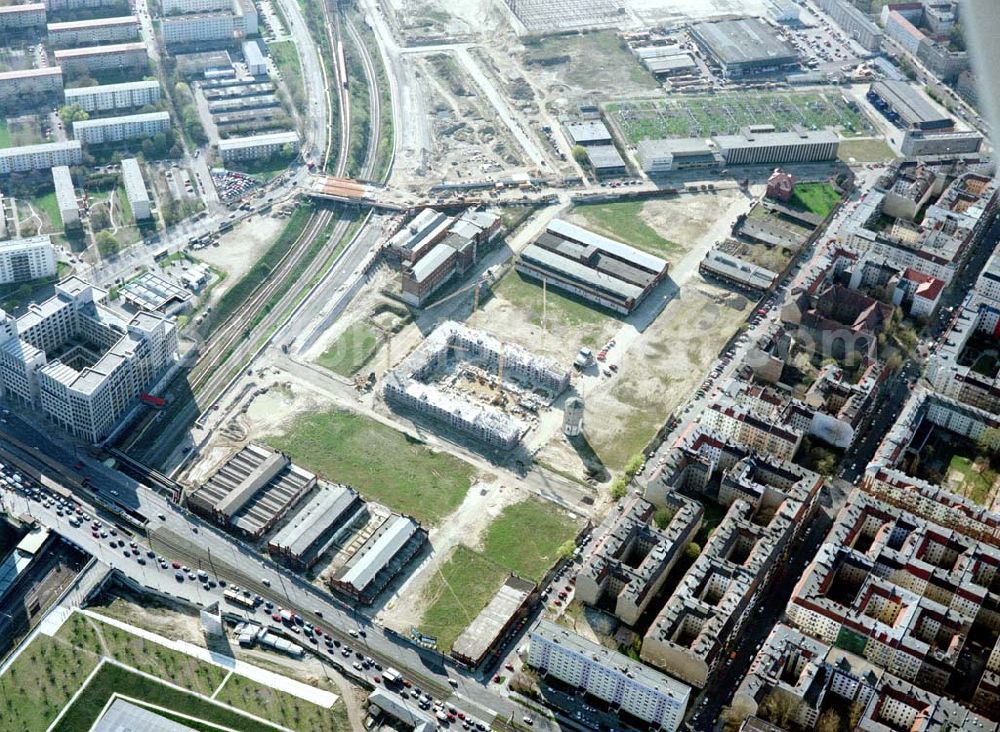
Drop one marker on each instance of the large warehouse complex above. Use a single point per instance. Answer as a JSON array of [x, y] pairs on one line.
[[607, 272], [744, 47], [906, 106], [259, 490]]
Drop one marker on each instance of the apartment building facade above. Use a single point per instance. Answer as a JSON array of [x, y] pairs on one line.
[[257, 147], [115, 129], [111, 97], [135, 189], [93, 31], [40, 157], [612, 677], [69, 209], [23, 260], [28, 85], [20, 18], [115, 57]]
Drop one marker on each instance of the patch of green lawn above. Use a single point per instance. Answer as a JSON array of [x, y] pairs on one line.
[[47, 207], [4, 133], [817, 198], [282, 708], [40, 682], [113, 679], [458, 592], [383, 464], [865, 151], [977, 479], [526, 294], [351, 351], [526, 537], [622, 221]]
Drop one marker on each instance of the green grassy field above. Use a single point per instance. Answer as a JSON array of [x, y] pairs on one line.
[[47, 206], [723, 114], [4, 133], [622, 221], [460, 589], [526, 295], [286, 58], [817, 198], [351, 351], [113, 679], [281, 708], [356, 450], [865, 151], [977, 479], [526, 537]]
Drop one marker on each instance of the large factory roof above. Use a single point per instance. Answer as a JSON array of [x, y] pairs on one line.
[[910, 104], [482, 633], [580, 272], [743, 41], [362, 568], [611, 247], [326, 508]]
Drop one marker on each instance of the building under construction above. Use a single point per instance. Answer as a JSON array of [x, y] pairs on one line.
[[512, 372]]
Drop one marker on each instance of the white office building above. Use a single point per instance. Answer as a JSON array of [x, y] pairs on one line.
[[23, 260], [109, 97], [135, 189], [17, 85], [40, 157], [613, 677], [84, 392], [769, 148], [93, 31], [116, 57], [255, 147], [16, 18], [255, 61], [69, 210], [115, 129]]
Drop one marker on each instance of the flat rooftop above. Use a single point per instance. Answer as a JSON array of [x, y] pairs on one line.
[[745, 41], [477, 639], [909, 102], [99, 50]]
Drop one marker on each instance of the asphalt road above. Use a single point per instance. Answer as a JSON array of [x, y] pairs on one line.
[[181, 536]]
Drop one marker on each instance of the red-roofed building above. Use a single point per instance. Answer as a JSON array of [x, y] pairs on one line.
[[780, 185], [921, 291]]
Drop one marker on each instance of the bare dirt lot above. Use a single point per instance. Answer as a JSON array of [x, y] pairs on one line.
[[240, 248]]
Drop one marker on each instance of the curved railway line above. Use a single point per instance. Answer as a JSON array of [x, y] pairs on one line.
[[232, 341]]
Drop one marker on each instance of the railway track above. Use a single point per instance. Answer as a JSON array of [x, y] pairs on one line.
[[233, 342]]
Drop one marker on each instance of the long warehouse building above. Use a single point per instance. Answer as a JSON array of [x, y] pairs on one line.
[[323, 522], [380, 559], [744, 47], [738, 272], [252, 491], [607, 272], [905, 104], [768, 148]]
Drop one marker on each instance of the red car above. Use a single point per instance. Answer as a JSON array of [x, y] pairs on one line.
[[275, 617], [509, 666], [176, 565], [377, 679]]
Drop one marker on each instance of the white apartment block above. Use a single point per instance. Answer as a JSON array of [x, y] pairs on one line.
[[135, 189], [94, 31], [57, 5], [255, 147], [117, 57], [20, 17], [107, 97], [181, 29], [182, 7], [84, 393], [613, 677], [115, 129], [40, 157], [23, 260], [16, 85], [69, 209]]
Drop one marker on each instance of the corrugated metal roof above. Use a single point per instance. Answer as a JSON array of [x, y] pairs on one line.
[[610, 246]]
